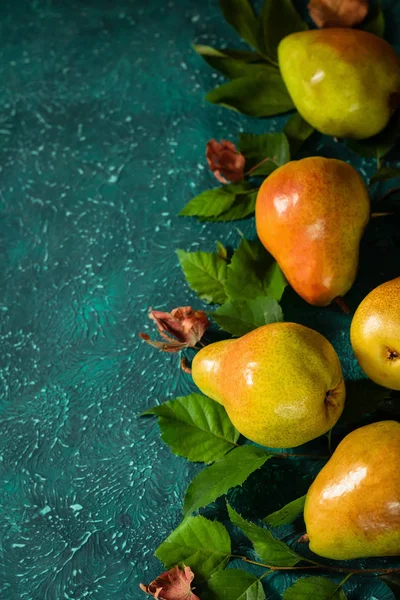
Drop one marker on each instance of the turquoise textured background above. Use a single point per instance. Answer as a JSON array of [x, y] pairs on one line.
[[103, 131]]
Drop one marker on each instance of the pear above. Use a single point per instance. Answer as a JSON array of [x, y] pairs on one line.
[[311, 215], [344, 82], [375, 334], [281, 384], [352, 509]]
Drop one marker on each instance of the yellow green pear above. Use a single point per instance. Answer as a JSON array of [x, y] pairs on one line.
[[281, 384], [375, 334], [352, 509], [344, 82]]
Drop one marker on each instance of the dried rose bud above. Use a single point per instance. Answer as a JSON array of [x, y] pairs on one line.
[[338, 13], [225, 161], [172, 585], [187, 326]]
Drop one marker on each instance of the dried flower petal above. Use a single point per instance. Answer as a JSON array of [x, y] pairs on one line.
[[187, 326], [170, 346], [172, 585], [338, 13], [225, 161]]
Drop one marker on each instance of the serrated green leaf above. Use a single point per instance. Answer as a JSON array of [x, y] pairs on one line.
[[203, 545], [216, 201], [233, 584], [378, 145], [243, 206], [234, 63], [241, 16], [393, 582], [317, 588], [205, 273], [238, 317], [257, 148], [363, 397], [226, 473], [287, 514], [375, 21], [196, 427], [210, 203], [271, 550], [253, 272], [384, 174], [278, 19], [254, 96], [297, 131]]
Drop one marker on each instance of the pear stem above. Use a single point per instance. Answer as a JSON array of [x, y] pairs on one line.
[[342, 304], [389, 193], [381, 214], [320, 566], [185, 366]]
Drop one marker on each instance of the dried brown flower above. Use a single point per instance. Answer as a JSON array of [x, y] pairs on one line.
[[225, 161], [338, 13], [174, 584], [187, 326]]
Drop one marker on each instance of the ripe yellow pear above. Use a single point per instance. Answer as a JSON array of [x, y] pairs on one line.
[[352, 509], [375, 334], [344, 82], [281, 384]]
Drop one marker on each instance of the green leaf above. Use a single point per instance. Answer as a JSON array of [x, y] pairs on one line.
[[243, 206], [215, 202], [363, 397], [297, 131], [238, 317], [279, 19], [234, 63], [317, 588], [205, 273], [254, 96], [257, 148], [393, 582], [287, 514], [196, 427], [375, 21], [234, 584], [203, 545], [384, 174], [272, 551], [226, 473], [241, 16], [210, 203], [254, 272], [379, 145]]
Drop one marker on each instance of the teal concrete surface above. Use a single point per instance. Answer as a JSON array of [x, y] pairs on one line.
[[103, 129]]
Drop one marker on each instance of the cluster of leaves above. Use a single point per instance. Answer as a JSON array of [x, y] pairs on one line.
[[199, 430], [248, 288]]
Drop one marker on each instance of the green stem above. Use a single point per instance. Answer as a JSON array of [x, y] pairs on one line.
[[265, 574], [289, 455], [264, 160], [316, 565], [341, 584]]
